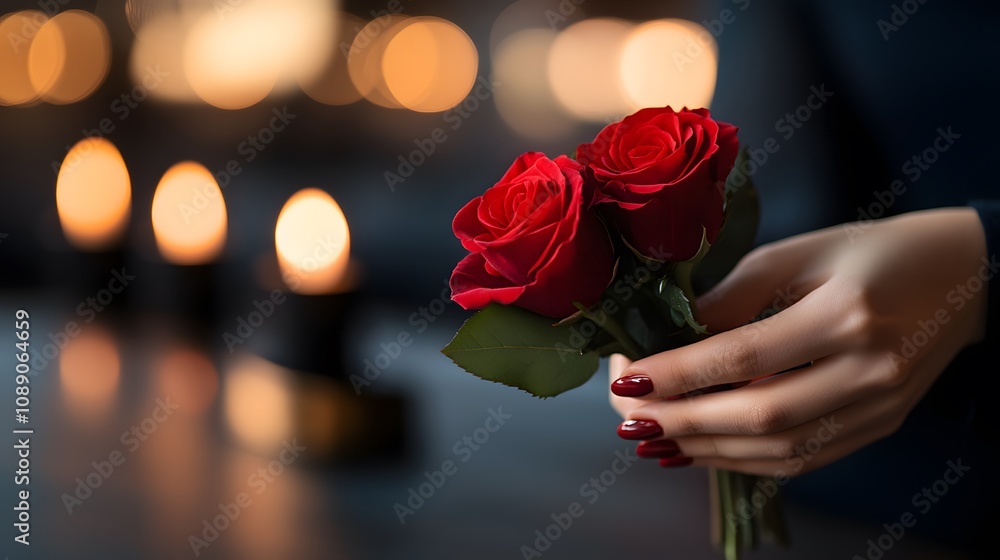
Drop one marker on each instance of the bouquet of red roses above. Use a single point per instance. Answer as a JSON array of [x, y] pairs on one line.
[[571, 260]]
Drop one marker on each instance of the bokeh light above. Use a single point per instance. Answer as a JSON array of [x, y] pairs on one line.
[[584, 69], [157, 60], [312, 242], [69, 57], [430, 64], [235, 57], [257, 403], [525, 99], [17, 31], [669, 62], [189, 378], [364, 59], [332, 85], [89, 370], [189, 215], [93, 194]]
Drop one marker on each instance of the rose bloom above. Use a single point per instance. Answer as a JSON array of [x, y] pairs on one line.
[[660, 176], [534, 242]]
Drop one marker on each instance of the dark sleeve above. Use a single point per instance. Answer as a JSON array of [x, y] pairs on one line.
[[989, 214]]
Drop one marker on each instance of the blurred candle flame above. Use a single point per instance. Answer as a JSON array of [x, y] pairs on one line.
[[189, 215], [93, 194], [312, 242]]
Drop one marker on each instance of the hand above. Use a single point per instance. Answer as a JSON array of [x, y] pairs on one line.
[[878, 310]]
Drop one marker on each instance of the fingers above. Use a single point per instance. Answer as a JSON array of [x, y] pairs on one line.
[[617, 365], [623, 406], [767, 407], [796, 451], [800, 334], [769, 277]]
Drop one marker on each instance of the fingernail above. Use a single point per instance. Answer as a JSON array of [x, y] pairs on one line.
[[658, 448], [671, 462], [639, 429], [632, 386]]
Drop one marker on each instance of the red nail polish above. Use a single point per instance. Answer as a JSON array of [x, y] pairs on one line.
[[632, 386], [670, 462], [639, 429], [658, 448]]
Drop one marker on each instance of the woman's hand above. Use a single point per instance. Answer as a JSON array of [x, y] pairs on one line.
[[879, 309]]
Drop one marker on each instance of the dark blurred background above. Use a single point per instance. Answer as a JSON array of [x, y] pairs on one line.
[[401, 111]]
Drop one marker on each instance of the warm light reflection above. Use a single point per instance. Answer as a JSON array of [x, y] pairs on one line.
[[526, 101], [669, 62], [332, 86], [189, 215], [69, 57], [89, 370], [257, 402], [581, 52], [187, 377], [236, 56], [364, 59], [17, 30], [156, 64], [312, 242], [430, 65], [93, 194]]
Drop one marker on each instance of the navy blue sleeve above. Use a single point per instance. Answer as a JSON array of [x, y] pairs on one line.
[[989, 214]]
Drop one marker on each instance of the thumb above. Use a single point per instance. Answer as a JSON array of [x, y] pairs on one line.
[[758, 281]]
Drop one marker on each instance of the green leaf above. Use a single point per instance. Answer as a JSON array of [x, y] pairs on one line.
[[678, 301], [510, 345], [738, 231]]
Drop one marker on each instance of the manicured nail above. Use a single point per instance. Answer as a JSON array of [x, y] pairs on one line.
[[658, 448], [639, 429], [670, 462], [632, 386]]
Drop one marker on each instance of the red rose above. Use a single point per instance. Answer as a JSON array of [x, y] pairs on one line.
[[534, 242], [660, 176]]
